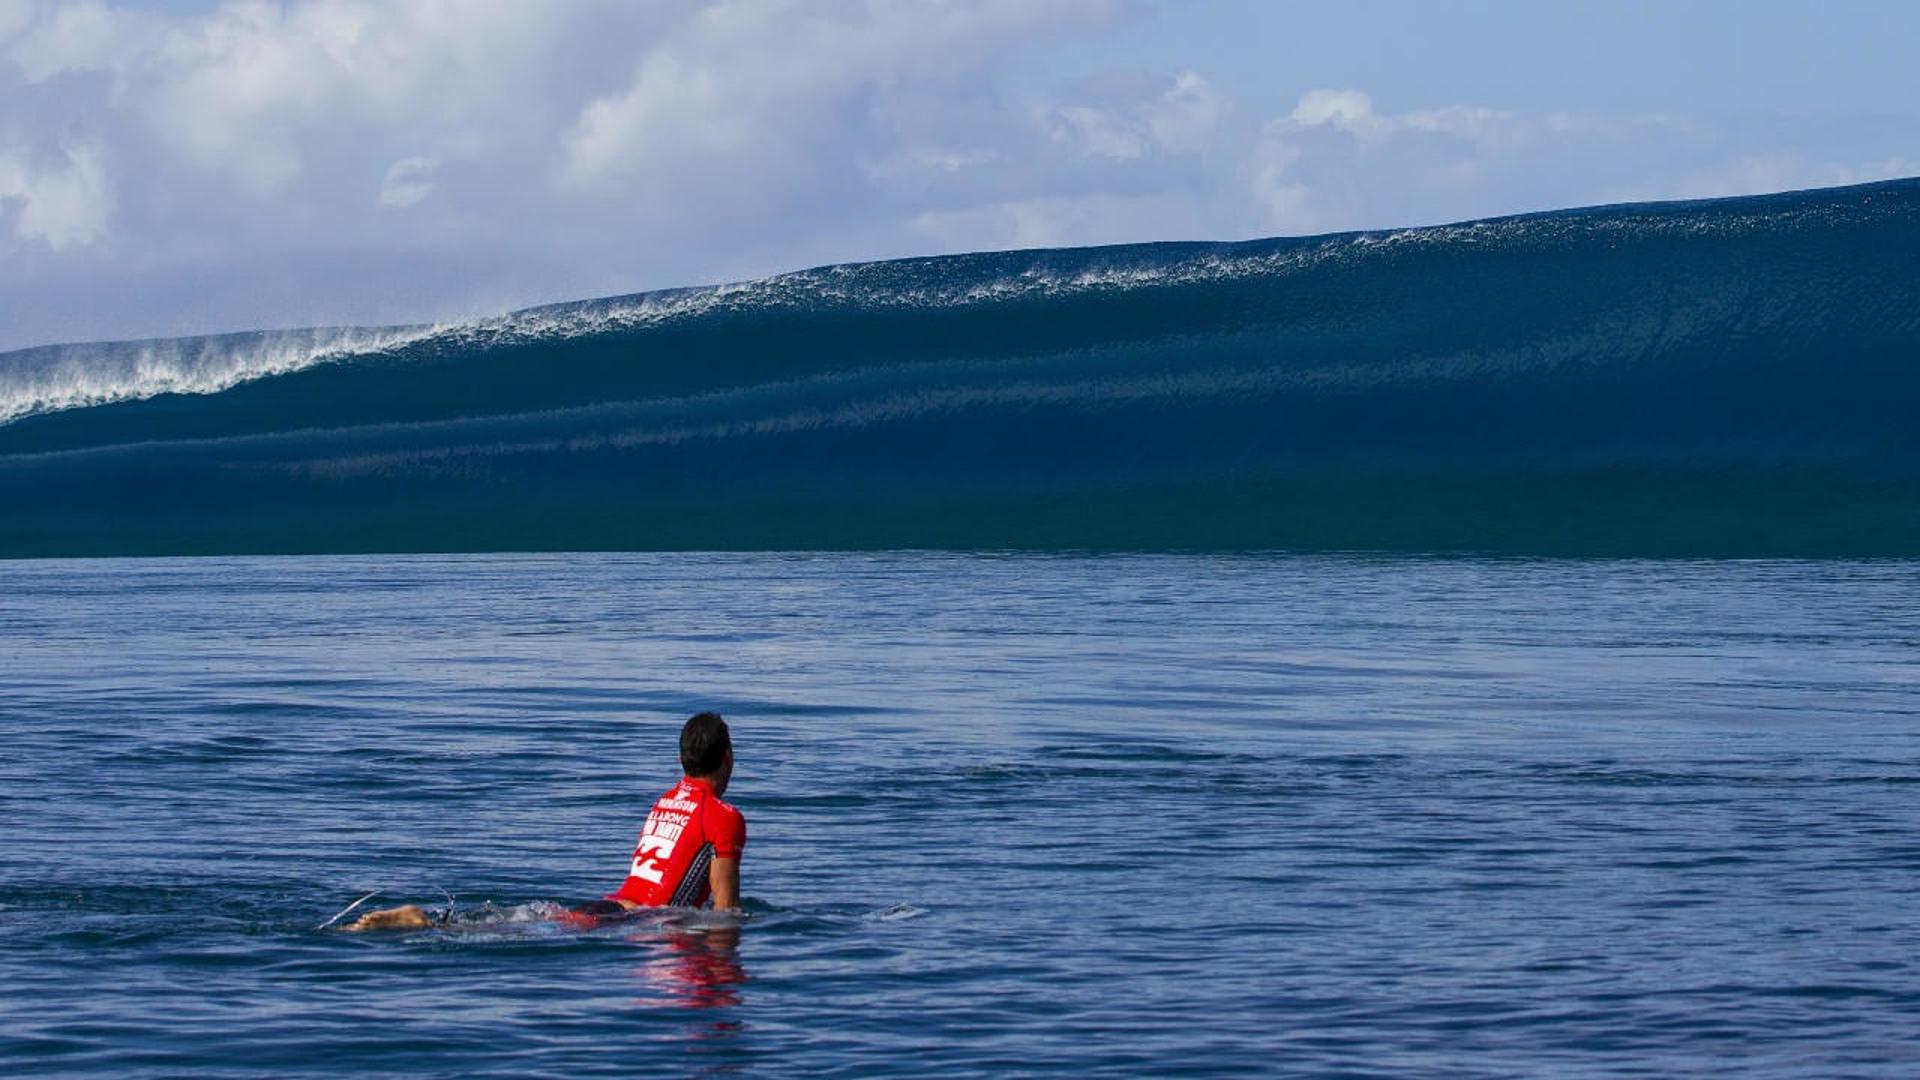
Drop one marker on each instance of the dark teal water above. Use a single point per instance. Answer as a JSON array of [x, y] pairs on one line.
[[1008, 814], [1728, 378]]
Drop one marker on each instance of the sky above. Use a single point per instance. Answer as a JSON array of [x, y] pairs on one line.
[[190, 167]]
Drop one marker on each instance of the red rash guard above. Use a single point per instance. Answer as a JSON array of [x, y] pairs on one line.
[[688, 829]]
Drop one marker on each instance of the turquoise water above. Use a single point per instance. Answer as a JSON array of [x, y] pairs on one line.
[[1727, 378], [1008, 814]]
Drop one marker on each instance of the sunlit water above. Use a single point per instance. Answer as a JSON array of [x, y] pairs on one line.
[[1022, 814]]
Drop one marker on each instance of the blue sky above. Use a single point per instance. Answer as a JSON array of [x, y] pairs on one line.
[[185, 167], [1692, 56]]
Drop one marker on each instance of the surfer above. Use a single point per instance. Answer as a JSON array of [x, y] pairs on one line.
[[689, 849]]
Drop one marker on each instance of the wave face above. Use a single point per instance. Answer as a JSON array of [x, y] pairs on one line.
[[1734, 377]]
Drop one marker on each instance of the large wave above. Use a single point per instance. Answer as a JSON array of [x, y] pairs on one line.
[[1727, 377]]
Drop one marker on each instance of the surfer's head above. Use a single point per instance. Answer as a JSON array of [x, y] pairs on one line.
[[706, 750]]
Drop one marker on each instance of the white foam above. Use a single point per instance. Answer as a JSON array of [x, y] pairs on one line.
[[75, 376]]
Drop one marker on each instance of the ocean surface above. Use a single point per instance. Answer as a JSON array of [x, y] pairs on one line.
[[1737, 377], [1009, 814]]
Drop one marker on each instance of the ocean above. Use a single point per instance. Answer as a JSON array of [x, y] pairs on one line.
[[1014, 813], [1485, 650]]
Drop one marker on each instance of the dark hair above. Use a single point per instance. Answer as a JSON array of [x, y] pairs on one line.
[[704, 743]]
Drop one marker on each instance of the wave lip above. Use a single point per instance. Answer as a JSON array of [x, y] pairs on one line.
[[1726, 377], [53, 378]]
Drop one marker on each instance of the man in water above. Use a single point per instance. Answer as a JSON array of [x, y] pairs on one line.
[[689, 849]]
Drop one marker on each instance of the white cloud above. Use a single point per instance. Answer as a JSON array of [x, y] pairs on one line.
[[238, 91], [330, 161], [1136, 114], [752, 94], [1067, 221], [65, 206], [1336, 162], [84, 35], [1095, 132], [1187, 117], [1344, 108], [918, 159], [15, 16], [407, 182]]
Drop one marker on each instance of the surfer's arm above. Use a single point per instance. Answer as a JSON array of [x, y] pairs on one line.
[[723, 877], [405, 917]]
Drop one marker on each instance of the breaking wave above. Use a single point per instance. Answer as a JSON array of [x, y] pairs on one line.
[[1727, 377]]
